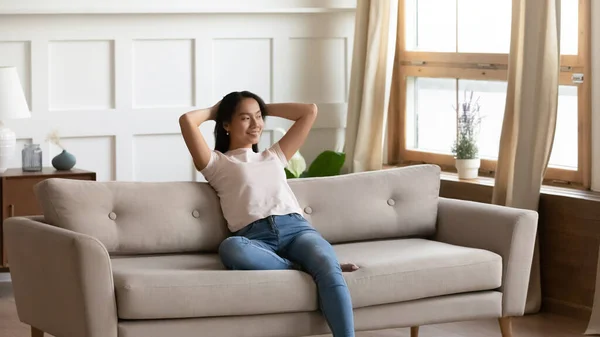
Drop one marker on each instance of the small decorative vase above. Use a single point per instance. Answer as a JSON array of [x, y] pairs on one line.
[[468, 168], [63, 161], [31, 158]]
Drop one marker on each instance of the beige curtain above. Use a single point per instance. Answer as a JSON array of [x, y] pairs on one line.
[[594, 322], [370, 83], [530, 114]]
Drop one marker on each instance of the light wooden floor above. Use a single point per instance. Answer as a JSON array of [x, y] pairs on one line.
[[540, 325]]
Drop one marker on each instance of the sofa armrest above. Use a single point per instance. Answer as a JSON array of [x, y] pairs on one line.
[[508, 232], [62, 280]]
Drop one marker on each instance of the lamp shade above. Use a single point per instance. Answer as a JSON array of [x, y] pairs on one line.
[[12, 99]]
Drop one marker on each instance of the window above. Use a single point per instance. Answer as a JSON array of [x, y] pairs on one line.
[[450, 47]]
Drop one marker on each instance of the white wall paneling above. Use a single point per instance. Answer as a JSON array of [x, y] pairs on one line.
[[163, 73], [81, 75], [242, 64], [162, 157], [114, 85], [320, 74], [173, 6]]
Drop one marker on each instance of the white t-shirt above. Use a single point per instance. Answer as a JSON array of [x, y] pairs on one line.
[[251, 186]]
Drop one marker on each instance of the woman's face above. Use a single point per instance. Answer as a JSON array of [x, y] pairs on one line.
[[246, 124]]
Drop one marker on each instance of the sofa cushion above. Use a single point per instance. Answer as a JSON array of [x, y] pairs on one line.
[[136, 217], [408, 269], [198, 286], [178, 286], [179, 217], [390, 203]]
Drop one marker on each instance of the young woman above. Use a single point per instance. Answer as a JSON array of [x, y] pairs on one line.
[[261, 210]]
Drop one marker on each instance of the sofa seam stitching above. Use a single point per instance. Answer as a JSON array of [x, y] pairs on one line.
[[47, 193], [508, 264], [419, 270], [129, 286]]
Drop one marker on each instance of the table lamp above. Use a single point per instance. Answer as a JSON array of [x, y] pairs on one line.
[[12, 106]]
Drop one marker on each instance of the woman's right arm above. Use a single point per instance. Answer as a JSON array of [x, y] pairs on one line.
[[189, 123]]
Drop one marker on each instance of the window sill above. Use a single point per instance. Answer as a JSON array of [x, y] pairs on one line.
[[570, 192]]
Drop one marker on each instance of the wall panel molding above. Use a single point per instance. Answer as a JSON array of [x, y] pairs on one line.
[[117, 84], [173, 6]]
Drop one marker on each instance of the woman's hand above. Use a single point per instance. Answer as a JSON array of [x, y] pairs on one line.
[[189, 123], [304, 116], [213, 111]]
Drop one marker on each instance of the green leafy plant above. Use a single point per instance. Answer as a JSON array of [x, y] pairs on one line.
[[328, 163], [296, 166], [469, 122]]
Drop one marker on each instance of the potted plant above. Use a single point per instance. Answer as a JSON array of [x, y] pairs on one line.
[[465, 147], [327, 163]]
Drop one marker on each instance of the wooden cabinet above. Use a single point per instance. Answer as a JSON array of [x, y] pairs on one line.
[[18, 198]]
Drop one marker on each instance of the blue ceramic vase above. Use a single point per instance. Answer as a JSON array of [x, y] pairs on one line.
[[63, 161]]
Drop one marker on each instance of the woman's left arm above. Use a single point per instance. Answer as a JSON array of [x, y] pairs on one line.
[[303, 115]]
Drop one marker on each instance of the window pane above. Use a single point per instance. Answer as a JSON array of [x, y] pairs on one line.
[[430, 25], [569, 25], [492, 100], [484, 26], [564, 150], [431, 118]]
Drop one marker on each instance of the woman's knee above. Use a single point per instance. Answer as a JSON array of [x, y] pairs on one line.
[[324, 264], [316, 255], [231, 250]]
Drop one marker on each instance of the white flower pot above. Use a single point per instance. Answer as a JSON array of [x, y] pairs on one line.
[[468, 168]]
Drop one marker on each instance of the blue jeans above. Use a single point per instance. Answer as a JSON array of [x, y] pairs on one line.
[[286, 242]]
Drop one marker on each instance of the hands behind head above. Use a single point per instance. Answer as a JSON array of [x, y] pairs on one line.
[[213, 111]]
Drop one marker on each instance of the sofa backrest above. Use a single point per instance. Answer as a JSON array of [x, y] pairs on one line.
[[136, 217], [170, 217], [383, 204]]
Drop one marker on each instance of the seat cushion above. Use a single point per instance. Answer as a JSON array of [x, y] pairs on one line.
[[408, 269], [178, 286]]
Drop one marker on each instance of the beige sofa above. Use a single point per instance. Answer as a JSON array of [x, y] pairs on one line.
[[133, 259]]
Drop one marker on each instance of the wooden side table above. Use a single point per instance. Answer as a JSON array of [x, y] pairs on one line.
[[18, 198]]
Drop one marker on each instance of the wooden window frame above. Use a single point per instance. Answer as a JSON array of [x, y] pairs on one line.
[[466, 66]]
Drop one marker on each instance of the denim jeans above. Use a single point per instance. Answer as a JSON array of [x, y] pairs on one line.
[[288, 242]]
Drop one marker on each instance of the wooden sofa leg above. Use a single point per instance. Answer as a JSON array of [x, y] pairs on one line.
[[35, 332], [505, 326], [414, 331]]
